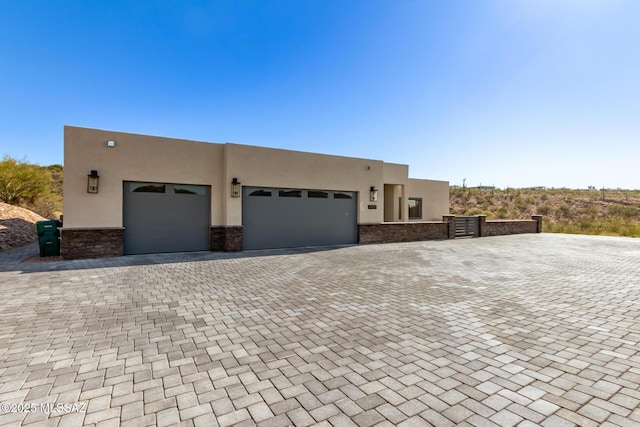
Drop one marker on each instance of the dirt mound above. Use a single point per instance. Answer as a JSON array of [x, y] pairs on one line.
[[17, 226]]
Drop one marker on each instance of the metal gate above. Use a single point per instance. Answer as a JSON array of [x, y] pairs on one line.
[[467, 226]]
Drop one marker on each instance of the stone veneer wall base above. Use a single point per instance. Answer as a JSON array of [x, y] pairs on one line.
[[226, 238], [78, 243], [505, 227], [402, 232]]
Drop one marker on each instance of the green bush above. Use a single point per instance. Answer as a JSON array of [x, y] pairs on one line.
[[564, 211], [543, 210], [615, 210], [630, 212], [34, 187], [502, 213], [21, 182], [474, 211]]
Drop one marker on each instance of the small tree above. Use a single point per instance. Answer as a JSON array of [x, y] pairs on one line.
[[21, 182]]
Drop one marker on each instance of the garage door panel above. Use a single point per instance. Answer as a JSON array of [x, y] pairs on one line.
[[176, 220], [279, 222]]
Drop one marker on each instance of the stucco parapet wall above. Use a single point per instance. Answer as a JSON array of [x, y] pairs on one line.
[[78, 243]]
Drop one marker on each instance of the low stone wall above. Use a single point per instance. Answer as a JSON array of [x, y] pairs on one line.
[[504, 227], [228, 239], [78, 243], [435, 230], [402, 232]]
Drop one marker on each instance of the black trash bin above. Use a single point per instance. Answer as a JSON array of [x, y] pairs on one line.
[[49, 237]]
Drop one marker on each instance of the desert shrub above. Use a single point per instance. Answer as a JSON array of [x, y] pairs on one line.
[[564, 211], [592, 211], [630, 212], [522, 206], [502, 213], [543, 210], [22, 182], [48, 207], [615, 210], [585, 224], [473, 211]]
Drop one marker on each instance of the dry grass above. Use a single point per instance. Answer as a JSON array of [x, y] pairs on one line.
[[612, 212]]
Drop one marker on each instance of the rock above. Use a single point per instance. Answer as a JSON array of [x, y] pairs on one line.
[[17, 226]]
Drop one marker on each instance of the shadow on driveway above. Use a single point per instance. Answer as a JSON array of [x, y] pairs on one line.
[[13, 260]]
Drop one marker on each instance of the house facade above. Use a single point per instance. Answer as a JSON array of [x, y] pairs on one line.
[[131, 194]]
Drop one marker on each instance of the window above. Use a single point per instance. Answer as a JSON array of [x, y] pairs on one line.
[[147, 188], [189, 189], [260, 193], [317, 194], [290, 193], [338, 195], [415, 208]]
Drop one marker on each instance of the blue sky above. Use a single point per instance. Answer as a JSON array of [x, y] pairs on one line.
[[503, 92]]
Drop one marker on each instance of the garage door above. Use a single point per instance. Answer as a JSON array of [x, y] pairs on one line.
[[287, 218], [165, 217]]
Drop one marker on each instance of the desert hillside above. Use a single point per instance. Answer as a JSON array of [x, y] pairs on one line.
[[606, 212], [17, 226]]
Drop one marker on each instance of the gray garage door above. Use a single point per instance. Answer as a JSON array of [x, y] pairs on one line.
[[288, 218], [165, 217]]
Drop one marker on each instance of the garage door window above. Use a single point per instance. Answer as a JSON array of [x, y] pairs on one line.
[[318, 194], [260, 193], [290, 193], [190, 189], [147, 188], [337, 195]]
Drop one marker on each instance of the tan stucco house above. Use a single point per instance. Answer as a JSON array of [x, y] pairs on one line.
[[129, 194]]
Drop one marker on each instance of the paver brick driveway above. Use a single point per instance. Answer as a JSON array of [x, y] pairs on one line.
[[515, 330]]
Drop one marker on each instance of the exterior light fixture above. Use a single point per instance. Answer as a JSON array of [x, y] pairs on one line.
[[92, 182], [235, 187], [373, 194], [111, 144]]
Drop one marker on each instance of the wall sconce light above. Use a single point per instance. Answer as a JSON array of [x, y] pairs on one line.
[[235, 187], [92, 182], [373, 194], [111, 144]]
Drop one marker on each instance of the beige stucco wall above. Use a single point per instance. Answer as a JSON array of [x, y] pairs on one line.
[[157, 159], [394, 173], [134, 158], [268, 167], [435, 197]]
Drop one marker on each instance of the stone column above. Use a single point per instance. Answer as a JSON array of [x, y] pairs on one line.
[[450, 220], [538, 219], [482, 222]]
